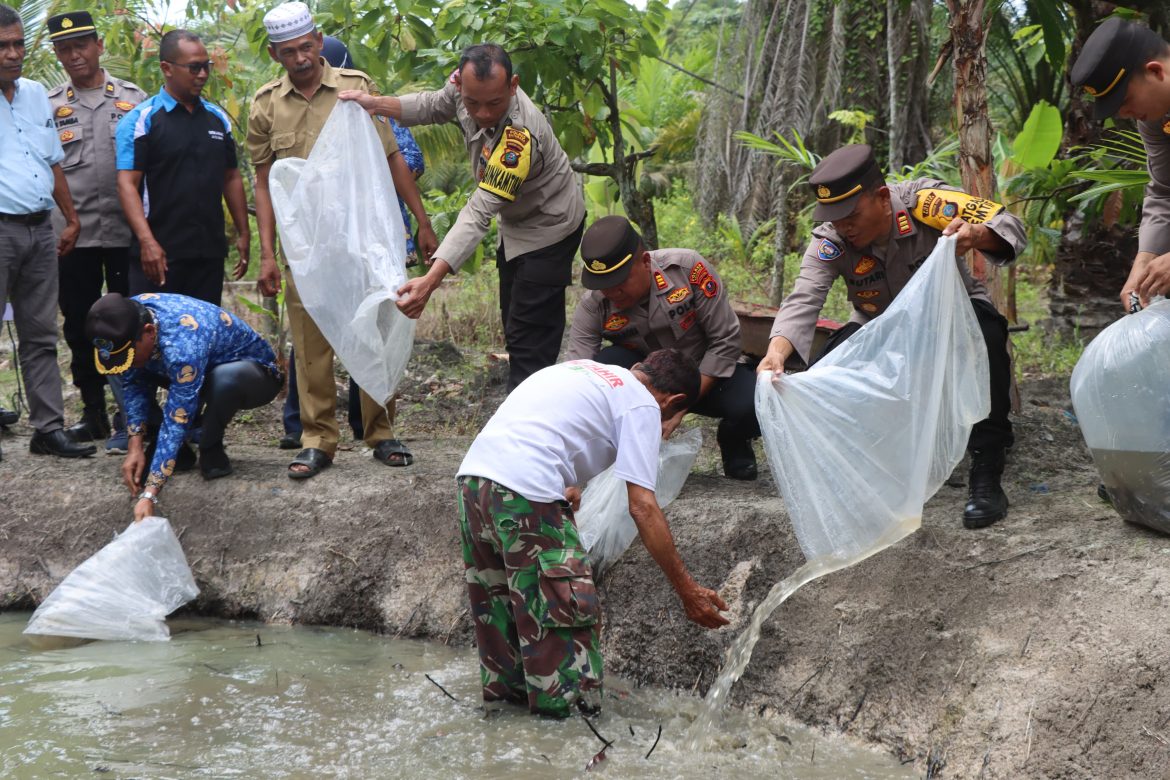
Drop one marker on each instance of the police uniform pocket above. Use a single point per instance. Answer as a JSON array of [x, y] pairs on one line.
[[281, 143], [567, 595], [71, 142]]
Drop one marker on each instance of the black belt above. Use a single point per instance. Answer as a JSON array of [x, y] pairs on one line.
[[36, 218]]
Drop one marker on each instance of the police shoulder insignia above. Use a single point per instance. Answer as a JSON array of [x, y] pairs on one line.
[[507, 168], [710, 287], [864, 265], [678, 295], [687, 321], [616, 322], [828, 251], [699, 274], [938, 208], [64, 111], [660, 281], [123, 105], [865, 295], [904, 226], [67, 136], [109, 88]]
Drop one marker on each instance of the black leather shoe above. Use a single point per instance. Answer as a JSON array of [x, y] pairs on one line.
[[214, 462], [987, 503], [185, 458], [94, 425], [59, 443], [8, 417], [739, 459]]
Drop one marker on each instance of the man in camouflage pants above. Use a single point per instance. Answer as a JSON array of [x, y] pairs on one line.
[[533, 600]]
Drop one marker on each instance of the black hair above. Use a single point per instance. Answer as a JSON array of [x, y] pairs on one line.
[[168, 47], [483, 56], [671, 372], [9, 16]]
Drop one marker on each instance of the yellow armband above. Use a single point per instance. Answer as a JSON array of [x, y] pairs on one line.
[[938, 208], [507, 168]]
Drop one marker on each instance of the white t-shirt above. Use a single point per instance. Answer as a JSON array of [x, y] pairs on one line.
[[566, 424]]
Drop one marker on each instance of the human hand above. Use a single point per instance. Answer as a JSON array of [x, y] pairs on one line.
[[143, 508], [428, 242], [573, 496], [779, 349], [702, 606], [1154, 279], [244, 248], [670, 425], [68, 238], [269, 280], [363, 99], [966, 235], [132, 467], [154, 262], [413, 296]]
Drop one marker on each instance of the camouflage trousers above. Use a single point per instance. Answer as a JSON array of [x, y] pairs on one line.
[[533, 601]]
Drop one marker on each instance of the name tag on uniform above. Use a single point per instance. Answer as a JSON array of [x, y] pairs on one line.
[[216, 135]]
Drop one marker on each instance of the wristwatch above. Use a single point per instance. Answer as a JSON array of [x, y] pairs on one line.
[[151, 497]]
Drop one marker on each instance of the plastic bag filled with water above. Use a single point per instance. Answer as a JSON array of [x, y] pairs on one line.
[[604, 521], [341, 231], [860, 441], [1119, 393], [123, 591]]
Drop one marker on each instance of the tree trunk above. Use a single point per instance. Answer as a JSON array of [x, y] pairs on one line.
[[639, 207], [968, 36]]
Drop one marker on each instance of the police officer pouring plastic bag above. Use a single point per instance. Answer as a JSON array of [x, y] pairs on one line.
[[1125, 68], [876, 235]]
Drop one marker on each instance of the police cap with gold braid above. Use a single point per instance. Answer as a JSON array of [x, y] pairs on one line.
[[113, 325], [73, 24], [609, 248], [839, 179], [1110, 57]]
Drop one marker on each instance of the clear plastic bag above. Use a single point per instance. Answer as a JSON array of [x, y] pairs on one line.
[[1119, 393], [604, 521], [123, 591], [860, 441], [341, 231]]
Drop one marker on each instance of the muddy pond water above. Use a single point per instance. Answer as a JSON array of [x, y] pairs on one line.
[[247, 700]]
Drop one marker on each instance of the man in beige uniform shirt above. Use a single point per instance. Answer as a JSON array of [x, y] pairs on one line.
[[86, 112], [876, 235], [525, 179], [642, 301], [285, 119]]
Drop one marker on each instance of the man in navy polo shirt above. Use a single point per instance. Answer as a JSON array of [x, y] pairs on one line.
[[176, 159]]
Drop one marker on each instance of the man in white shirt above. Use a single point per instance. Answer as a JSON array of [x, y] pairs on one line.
[[533, 600]]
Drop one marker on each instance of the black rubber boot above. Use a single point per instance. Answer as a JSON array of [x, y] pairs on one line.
[[987, 503]]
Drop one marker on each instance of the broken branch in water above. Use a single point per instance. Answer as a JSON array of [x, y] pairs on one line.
[[655, 741], [440, 687], [604, 741]]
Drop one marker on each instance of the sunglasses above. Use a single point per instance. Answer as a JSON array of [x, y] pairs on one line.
[[193, 67]]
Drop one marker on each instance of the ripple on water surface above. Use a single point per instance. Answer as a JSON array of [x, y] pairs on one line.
[[328, 702]]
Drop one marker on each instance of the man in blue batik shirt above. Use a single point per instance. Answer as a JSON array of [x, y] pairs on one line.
[[208, 357]]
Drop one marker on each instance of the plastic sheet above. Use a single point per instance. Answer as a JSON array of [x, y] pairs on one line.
[[604, 521], [1119, 393], [859, 442], [341, 231], [123, 591]]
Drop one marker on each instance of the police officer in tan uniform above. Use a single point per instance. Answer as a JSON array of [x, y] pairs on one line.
[[876, 235], [1125, 68], [525, 180], [642, 301], [86, 112], [285, 119]]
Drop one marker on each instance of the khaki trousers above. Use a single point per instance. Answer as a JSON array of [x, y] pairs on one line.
[[316, 385]]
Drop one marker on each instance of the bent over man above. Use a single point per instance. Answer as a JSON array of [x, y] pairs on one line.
[[876, 235], [533, 601], [641, 301]]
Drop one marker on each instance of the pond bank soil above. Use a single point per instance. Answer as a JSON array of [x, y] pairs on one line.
[[1035, 648]]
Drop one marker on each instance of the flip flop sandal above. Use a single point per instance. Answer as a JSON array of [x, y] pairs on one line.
[[393, 453], [313, 459]]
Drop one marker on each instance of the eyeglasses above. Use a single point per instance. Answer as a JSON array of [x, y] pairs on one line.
[[193, 67]]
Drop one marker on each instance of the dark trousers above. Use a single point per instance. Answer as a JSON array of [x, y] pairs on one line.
[[532, 304], [81, 275], [200, 278], [995, 432], [732, 400], [230, 387], [292, 404]]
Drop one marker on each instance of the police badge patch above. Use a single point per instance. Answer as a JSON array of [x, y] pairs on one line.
[[678, 295], [616, 322], [828, 251]]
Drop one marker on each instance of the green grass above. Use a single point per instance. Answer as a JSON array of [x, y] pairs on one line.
[[1038, 351]]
